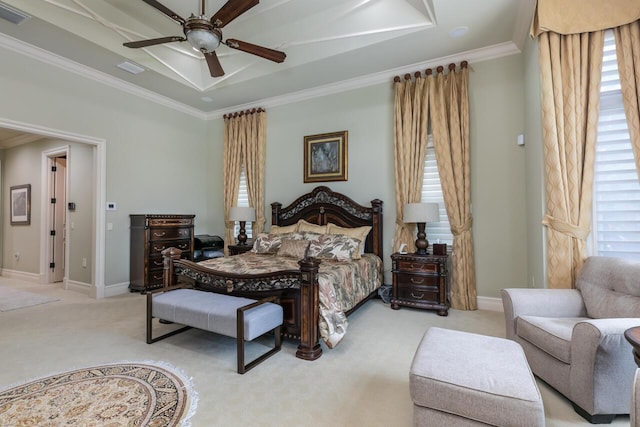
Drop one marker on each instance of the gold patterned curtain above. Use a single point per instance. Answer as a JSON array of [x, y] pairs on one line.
[[628, 53], [244, 144], [441, 102], [571, 68], [449, 99], [411, 115]]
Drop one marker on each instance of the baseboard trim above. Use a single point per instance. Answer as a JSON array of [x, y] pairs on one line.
[[81, 287], [22, 275], [116, 289], [491, 304]]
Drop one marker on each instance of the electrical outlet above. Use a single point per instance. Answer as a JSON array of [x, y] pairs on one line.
[[84, 263], [17, 256]]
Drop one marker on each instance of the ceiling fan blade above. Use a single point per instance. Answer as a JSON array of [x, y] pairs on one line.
[[164, 9], [231, 10], [264, 52], [215, 69], [151, 42]]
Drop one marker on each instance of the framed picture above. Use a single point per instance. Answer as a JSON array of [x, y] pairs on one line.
[[20, 205], [325, 157]]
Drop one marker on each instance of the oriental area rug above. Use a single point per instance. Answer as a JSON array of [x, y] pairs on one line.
[[124, 394]]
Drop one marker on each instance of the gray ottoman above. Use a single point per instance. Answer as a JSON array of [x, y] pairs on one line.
[[463, 379]]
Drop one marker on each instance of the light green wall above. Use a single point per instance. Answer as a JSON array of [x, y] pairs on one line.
[[162, 161], [534, 167], [157, 158]]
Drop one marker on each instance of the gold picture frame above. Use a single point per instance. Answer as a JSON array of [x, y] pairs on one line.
[[325, 157], [20, 204]]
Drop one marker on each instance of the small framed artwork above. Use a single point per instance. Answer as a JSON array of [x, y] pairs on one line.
[[325, 157], [20, 205]]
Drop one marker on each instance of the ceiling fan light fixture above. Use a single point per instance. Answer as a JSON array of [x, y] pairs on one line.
[[203, 40]]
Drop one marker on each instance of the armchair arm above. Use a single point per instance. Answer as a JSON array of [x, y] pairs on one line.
[[602, 365], [540, 302]]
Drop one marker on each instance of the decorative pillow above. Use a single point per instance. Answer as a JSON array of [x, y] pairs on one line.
[[267, 243], [294, 248], [359, 233], [282, 229], [307, 226], [334, 246]]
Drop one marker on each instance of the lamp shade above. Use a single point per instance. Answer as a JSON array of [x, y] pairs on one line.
[[242, 213], [421, 212]]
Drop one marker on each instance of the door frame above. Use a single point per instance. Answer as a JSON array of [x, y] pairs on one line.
[[99, 188]]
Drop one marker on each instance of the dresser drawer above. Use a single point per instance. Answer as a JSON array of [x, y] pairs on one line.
[[169, 233], [410, 266], [157, 247], [154, 277], [170, 222], [417, 280]]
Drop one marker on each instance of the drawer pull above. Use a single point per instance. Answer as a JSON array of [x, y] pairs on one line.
[[155, 248], [158, 263], [417, 296], [183, 246], [183, 232], [157, 277], [156, 234], [417, 281]]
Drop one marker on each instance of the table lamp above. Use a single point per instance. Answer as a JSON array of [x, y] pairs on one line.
[[242, 214], [421, 213]]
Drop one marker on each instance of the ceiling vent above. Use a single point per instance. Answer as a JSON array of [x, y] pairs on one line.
[[130, 67], [12, 15]]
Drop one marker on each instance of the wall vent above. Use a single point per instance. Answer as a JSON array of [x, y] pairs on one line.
[[12, 15]]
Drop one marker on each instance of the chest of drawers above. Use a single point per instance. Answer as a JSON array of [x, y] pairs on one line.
[[420, 281], [150, 235]]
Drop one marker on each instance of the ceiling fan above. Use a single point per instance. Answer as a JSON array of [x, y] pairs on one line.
[[205, 34]]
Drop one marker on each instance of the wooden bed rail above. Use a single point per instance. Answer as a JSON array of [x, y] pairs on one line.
[[309, 347]]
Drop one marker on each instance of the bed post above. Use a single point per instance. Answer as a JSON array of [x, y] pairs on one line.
[[309, 348], [168, 277]]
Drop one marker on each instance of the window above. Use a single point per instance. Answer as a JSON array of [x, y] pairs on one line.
[[439, 232], [243, 201], [616, 198]]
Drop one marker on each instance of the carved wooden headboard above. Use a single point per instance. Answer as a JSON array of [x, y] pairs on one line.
[[322, 206]]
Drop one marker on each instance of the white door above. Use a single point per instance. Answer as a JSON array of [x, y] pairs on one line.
[[58, 218]]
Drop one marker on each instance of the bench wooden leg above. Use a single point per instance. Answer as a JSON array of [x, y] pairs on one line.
[[277, 345], [150, 339]]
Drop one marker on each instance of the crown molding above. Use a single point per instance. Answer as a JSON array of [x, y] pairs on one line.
[[472, 56], [34, 52]]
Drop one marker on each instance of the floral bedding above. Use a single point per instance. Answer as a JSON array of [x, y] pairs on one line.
[[342, 284]]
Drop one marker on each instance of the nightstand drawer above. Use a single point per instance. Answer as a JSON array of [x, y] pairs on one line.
[[414, 293], [409, 266], [418, 280]]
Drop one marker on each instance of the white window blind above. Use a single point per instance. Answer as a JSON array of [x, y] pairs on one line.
[[437, 232], [243, 201], [616, 201]]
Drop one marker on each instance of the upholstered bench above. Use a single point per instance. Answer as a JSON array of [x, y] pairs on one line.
[[458, 378], [241, 318]]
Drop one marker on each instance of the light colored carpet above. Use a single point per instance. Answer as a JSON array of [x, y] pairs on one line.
[[123, 394], [364, 381], [13, 299]]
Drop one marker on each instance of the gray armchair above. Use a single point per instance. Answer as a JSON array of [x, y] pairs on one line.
[[574, 338]]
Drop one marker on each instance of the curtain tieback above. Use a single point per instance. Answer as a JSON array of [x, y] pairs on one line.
[[457, 230], [564, 227]]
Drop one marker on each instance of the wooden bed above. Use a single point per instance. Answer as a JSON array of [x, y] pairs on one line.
[[300, 303]]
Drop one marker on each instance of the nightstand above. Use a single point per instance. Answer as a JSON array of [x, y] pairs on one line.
[[240, 249], [420, 281]]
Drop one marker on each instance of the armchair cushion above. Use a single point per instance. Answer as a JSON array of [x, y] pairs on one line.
[[550, 334], [609, 287]]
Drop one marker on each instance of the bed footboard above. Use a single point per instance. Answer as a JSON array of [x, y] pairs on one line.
[[309, 345]]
